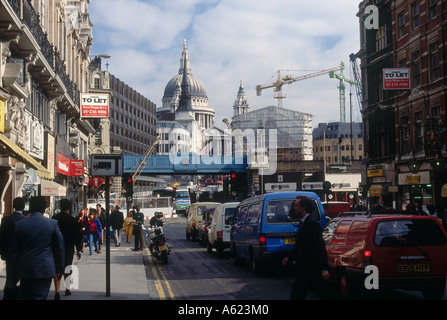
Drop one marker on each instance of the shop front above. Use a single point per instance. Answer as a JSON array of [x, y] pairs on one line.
[[415, 188]]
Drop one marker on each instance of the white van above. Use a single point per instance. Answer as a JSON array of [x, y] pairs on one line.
[[219, 230]]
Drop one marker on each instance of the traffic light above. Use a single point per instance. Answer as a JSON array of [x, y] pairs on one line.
[[238, 182], [128, 185]]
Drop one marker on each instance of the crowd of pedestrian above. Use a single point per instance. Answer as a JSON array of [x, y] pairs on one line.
[[38, 250]]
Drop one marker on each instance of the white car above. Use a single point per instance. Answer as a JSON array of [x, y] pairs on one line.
[[219, 230]]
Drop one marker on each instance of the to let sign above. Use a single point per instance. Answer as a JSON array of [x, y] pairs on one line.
[[396, 79], [94, 105]]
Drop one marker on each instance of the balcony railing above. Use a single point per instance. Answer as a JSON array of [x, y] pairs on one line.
[[32, 21]]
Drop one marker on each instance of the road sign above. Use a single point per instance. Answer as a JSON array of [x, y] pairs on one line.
[[106, 165]]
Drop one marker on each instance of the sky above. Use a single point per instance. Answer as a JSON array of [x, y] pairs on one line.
[[230, 41]]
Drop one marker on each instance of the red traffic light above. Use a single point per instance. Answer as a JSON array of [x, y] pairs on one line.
[[233, 176], [129, 180]]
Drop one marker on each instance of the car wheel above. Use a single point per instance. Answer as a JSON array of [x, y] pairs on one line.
[[209, 248], [343, 286], [235, 256], [255, 265], [433, 293], [220, 251]]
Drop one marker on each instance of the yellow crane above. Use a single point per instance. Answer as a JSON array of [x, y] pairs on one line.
[[143, 162], [288, 79]]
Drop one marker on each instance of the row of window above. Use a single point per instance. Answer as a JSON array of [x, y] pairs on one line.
[[342, 147], [415, 16]]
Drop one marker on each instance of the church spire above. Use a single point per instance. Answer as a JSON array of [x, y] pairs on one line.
[[241, 104], [185, 96], [184, 60]]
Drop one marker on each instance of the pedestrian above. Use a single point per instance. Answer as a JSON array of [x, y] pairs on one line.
[[72, 233], [116, 221], [93, 231], [82, 221], [11, 290], [128, 226], [101, 216], [38, 251], [138, 216], [309, 253]]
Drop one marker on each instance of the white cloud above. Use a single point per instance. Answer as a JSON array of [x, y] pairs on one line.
[[229, 41]]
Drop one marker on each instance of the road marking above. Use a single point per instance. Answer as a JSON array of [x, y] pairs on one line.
[[158, 281]]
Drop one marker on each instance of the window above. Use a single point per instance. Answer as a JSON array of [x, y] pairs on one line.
[[416, 67], [381, 40], [404, 136], [418, 131], [253, 213], [401, 25], [433, 9], [415, 15], [404, 233], [434, 61]]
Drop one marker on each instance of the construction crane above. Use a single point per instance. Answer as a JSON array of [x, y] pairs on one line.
[[280, 81], [341, 88], [357, 79], [143, 163]]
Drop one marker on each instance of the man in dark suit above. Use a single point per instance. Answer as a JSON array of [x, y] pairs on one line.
[[309, 253], [116, 221], [38, 251], [6, 231], [72, 233]]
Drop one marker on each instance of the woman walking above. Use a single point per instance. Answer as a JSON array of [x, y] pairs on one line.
[[93, 229]]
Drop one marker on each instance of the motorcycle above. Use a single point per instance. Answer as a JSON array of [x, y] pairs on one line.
[[158, 245]]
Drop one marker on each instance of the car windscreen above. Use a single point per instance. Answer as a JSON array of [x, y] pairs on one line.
[[182, 194], [406, 233], [278, 211]]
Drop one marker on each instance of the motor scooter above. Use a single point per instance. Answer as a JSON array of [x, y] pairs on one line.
[[158, 245]]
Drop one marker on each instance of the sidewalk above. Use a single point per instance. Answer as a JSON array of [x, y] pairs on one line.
[[127, 275]]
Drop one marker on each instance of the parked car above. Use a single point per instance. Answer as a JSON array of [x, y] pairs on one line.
[[263, 231], [408, 251], [194, 217], [334, 208], [203, 226], [220, 227]]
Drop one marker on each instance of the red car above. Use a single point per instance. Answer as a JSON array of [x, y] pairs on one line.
[[409, 252]]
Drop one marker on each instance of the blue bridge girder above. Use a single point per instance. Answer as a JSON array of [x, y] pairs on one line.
[[186, 163]]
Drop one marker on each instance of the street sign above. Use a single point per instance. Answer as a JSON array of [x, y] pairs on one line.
[[106, 165]]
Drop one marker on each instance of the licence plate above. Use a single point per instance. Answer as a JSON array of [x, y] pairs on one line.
[[162, 248], [289, 240], [407, 268]]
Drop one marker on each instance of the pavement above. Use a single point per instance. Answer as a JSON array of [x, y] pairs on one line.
[[127, 275]]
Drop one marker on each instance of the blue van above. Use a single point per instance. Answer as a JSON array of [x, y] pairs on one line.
[[262, 231]]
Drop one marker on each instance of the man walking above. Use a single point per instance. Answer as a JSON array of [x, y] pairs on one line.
[[72, 233], [11, 291], [37, 251], [138, 216], [117, 220], [309, 252]]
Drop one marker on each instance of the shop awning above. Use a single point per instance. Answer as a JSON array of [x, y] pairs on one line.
[[18, 153], [375, 190], [50, 188]]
